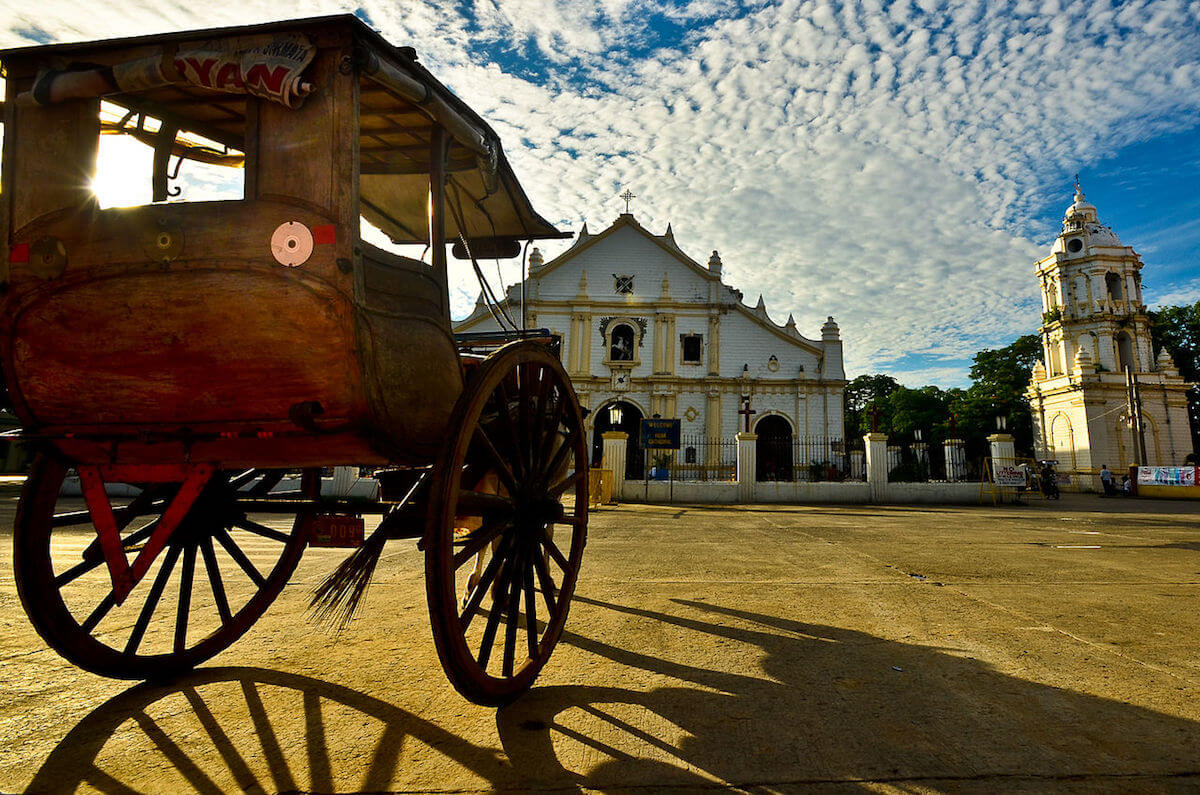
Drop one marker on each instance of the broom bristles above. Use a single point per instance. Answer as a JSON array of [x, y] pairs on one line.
[[337, 598]]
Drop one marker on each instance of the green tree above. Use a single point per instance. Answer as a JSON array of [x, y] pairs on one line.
[[865, 394], [1177, 328], [924, 409], [1000, 378]]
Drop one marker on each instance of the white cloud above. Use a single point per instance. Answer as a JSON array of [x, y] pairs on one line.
[[882, 162]]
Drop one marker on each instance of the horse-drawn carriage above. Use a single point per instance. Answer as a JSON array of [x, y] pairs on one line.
[[189, 359]]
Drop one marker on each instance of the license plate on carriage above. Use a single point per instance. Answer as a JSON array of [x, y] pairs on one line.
[[336, 531]]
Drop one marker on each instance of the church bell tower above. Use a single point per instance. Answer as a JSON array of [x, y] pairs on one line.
[[1095, 340]]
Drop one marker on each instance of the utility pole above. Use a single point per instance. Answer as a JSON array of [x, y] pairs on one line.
[[1133, 408]]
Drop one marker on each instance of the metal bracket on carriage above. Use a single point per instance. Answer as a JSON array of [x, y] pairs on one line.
[[305, 413], [125, 576]]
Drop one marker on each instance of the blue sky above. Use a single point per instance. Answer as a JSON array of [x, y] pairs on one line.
[[899, 165]]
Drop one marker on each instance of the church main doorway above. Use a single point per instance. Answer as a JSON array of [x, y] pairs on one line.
[[774, 460], [620, 416]]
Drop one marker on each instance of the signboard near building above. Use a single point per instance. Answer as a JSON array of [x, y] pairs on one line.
[[658, 434]]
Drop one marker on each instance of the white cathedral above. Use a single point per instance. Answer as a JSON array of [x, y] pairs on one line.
[[649, 332], [1096, 339]]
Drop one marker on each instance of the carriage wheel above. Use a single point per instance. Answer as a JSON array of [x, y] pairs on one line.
[[169, 622], [498, 577]]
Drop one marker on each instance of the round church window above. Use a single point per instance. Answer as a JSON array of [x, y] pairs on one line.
[[1074, 245]]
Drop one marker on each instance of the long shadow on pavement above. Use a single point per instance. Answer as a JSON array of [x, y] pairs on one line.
[[830, 705], [250, 729]]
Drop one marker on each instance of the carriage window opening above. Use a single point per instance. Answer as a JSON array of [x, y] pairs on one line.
[[621, 345], [692, 345], [199, 169], [623, 285]]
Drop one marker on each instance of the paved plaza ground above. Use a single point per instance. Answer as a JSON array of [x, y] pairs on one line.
[[772, 648]]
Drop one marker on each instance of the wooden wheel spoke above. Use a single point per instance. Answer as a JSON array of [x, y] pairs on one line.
[[546, 583], [263, 487], [241, 479], [485, 581], [97, 615], [493, 621], [560, 455], [239, 557], [554, 552], [539, 413], [504, 417], [185, 598], [476, 540], [550, 430], [530, 610], [252, 526], [478, 503], [513, 608], [156, 590], [498, 464], [92, 556], [570, 480], [214, 579], [524, 395]]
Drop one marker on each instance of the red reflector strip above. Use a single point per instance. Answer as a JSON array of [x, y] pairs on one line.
[[324, 235], [19, 253]]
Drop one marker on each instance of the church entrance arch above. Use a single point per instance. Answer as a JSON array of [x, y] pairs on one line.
[[620, 415], [774, 456]]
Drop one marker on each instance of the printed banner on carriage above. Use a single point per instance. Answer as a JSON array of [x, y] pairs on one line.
[[660, 434]]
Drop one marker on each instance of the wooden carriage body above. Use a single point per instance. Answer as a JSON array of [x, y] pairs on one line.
[[172, 331]]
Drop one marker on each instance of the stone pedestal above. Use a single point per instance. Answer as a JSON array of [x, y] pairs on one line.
[[1003, 448], [747, 474], [956, 459], [877, 464], [613, 458]]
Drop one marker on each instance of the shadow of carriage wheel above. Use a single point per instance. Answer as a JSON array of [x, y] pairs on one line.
[[200, 744]]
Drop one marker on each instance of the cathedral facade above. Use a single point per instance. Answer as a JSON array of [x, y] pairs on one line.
[[1100, 396], [647, 331]]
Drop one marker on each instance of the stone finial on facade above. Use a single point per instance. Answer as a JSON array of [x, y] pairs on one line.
[[669, 235], [1083, 361], [714, 262], [666, 286], [761, 306], [1166, 364], [583, 232], [830, 330], [583, 291], [1039, 371], [536, 261], [790, 325]]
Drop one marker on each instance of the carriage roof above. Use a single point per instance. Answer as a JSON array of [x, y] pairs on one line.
[[400, 102]]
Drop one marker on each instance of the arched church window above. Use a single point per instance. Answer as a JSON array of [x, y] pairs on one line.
[[1113, 282], [621, 343], [1125, 352]]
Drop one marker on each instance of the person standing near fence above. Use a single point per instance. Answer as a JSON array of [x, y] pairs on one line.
[[1106, 480]]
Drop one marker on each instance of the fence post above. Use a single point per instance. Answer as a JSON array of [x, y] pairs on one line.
[[877, 464], [613, 458], [1004, 453], [746, 475], [956, 459]]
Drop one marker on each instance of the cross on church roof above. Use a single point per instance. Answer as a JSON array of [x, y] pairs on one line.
[[627, 196]]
